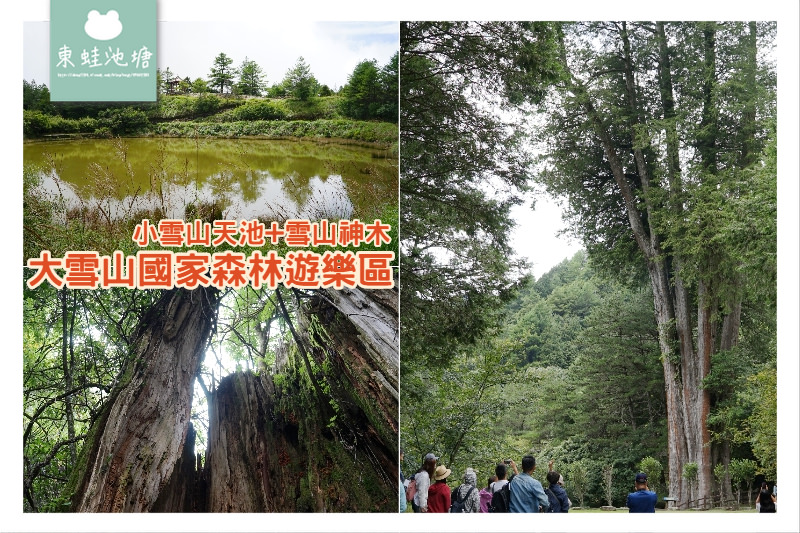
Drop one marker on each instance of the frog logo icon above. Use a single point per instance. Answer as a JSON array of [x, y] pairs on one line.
[[103, 27]]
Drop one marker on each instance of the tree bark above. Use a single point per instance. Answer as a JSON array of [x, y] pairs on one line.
[[67, 366], [696, 396], [268, 451], [134, 447], [252, 461], [369, 322], [361, 343], [271, 449]]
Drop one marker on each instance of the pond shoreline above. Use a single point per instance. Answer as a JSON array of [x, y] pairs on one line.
[[102, 186], [317, 140]]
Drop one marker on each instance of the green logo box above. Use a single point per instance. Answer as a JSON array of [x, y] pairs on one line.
[[103, 50]]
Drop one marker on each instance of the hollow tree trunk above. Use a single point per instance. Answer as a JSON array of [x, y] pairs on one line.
[[272, 450], [253, 459], [135, 444], [370, 334]]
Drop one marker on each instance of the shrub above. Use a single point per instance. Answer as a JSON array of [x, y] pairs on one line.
[[35, 123], [175, 107], [259, 110], [123, 121], [206, 104]]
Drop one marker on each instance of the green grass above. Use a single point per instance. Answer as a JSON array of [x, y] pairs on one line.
[[621, 510], [209, 115]]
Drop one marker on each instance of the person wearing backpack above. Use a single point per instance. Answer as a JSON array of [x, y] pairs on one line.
[[486, 494], [556, 495], [501, 471], [501, 495], [466, 498]]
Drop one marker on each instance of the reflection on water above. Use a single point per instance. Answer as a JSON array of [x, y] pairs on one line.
[[244, 178]]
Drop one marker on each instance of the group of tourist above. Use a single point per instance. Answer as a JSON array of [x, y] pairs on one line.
[[427, 490], [506, 492]]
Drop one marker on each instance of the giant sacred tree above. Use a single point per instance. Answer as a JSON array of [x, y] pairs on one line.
[[656, 136]]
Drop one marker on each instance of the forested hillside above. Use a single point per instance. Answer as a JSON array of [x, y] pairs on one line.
[[365, 109], [655, 349], [575, 376]]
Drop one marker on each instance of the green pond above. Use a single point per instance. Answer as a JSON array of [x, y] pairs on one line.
[[244, 178]]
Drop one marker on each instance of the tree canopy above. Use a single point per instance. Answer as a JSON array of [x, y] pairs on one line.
[[299, 82], [651, 344], [655, 138], [462, 168], [252, 80], [372, 92], [221, 75]]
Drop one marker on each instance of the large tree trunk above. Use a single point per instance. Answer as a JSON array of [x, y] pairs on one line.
[[697, 397], [134, 446], [365, 332], [271, 449], [185, 491], [253, 460]]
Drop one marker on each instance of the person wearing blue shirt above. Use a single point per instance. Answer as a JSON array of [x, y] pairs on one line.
[[527, 493], [643, 500]]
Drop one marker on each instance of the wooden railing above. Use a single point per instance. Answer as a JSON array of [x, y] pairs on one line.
[[703, 503]]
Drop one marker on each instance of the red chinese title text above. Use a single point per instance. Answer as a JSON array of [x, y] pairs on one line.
[[165, 269]]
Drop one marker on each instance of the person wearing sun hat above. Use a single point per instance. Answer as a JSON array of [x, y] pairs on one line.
[[439, 493], [643, 500]]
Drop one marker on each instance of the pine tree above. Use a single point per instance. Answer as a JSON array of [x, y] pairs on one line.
[[221, 75]]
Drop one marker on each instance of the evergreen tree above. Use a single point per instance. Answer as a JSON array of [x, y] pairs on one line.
[[389, 80], [222, 73], [167, 77], [362, 94], [299, 82], [647, 142], [462, 169], [199, 85], [251, 78]]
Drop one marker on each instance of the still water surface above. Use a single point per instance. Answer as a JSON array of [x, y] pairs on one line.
[[244, 178]]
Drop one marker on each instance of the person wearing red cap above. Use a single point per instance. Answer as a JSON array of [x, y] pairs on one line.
[[644, 499]]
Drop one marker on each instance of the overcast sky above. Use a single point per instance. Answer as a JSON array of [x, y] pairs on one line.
[[536, 235], [331, 49]]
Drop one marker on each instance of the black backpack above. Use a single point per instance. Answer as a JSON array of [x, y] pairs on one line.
[[555, 505], [460, 506], [501, 499]]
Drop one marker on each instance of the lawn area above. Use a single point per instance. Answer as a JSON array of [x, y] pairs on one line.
[[743, 509]]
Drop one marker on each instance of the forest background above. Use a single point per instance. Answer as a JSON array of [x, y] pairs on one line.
[[787, 238], [489, 372]]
